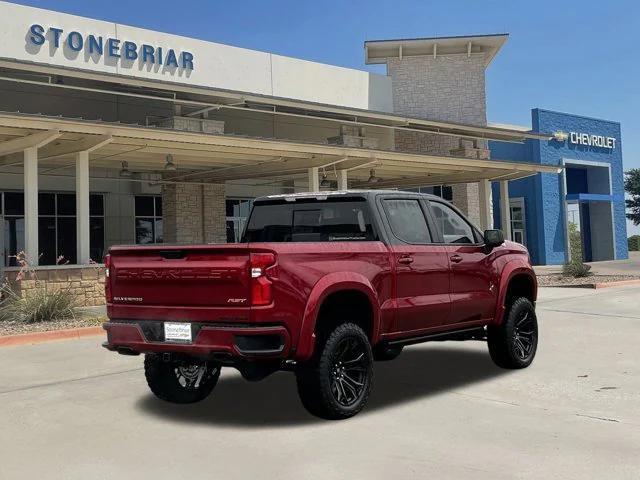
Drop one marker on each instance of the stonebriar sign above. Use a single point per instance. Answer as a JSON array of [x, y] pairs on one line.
[[113, 48]]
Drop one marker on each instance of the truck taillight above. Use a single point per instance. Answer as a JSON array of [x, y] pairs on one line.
[[261, 268], [107, 283]]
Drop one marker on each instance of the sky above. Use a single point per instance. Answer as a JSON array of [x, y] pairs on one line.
[[572, 56]]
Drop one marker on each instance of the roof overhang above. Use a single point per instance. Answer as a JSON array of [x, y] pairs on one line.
[[219, 158], [378, 51], [199, 98]]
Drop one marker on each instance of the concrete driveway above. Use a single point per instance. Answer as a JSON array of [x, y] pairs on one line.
[[71, 410]]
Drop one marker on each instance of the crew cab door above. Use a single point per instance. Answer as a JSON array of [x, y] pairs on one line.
[[473, 288], [421, 268]]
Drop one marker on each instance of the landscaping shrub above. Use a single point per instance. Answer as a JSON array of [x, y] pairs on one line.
[[38, 305], [576, 269], [634, 243]]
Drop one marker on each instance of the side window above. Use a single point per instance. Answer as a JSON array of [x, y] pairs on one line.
[[407, 220], [454, 228]]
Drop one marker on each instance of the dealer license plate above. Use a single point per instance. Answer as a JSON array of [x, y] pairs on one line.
[[177, 332]]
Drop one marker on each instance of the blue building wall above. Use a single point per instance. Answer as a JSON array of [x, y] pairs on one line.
[[544, 193]]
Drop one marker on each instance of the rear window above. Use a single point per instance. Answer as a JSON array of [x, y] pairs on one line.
[[310, 221]]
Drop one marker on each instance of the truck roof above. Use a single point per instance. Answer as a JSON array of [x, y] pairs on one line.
[[338, 193]]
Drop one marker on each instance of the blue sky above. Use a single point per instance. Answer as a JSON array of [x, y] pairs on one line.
[[573, 56]]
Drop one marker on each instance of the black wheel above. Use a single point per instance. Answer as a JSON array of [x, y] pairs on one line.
[[180, 381], [335, 384], [513, 344], [383, 353]]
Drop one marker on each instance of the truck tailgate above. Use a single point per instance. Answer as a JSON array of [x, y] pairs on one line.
[[184, 276]]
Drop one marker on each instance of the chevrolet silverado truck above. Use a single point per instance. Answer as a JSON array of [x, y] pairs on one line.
[[323, 284]]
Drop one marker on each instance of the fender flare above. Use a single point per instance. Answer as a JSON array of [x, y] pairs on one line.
[[332, 283], [510, 270]]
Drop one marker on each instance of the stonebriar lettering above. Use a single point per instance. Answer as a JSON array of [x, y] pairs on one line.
[[111, 47], [592, 140]]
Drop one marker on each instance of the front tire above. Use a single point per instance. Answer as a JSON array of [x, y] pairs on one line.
[[336, 382], [180, 381], [513, 344]]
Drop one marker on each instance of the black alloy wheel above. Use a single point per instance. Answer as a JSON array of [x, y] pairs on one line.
[[335, 383], [513, 343], [348, 376]]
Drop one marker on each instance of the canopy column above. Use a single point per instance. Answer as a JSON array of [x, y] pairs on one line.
[[314, 182], [82, 209], [31, 247], [342, 180], [484, 194], [505, 209]]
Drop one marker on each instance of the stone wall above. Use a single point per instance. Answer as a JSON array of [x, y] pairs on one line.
[[86, 283], [194, 213], [449, 88]]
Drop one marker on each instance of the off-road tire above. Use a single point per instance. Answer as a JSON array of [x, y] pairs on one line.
[[513, 344], [384, 353], [164, 381], [318, 383]]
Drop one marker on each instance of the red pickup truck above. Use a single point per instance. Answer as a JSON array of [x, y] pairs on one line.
[[322, 285]]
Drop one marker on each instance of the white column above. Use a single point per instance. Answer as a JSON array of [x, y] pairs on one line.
[[82, 208], [505, 209], [342, 180], [31, 205], [314, 182], [484, 194]]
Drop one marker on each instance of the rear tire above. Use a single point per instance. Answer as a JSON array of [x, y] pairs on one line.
[[180, 381], [513, 344], [336, 382], [385, 353]]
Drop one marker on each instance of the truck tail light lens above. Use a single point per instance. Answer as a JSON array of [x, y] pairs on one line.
[[262, 270], [107, 282]]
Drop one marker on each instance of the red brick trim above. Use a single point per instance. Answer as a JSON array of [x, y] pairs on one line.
[[50, 336]]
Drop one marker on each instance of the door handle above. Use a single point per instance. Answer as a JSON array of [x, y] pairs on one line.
[[405, 260], [456, 258]]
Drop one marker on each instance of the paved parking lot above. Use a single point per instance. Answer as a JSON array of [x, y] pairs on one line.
[[71, 410]]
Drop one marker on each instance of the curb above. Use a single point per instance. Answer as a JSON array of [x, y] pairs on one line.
[[596, 286], [50, 336], [616, 284]]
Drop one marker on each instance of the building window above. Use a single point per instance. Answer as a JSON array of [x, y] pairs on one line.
[[148, 219], [237, 213], [56, 227], [443, 191]]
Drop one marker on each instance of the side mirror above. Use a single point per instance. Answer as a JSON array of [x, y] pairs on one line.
[[493, 238]]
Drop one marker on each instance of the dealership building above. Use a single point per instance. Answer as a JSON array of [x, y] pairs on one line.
[[111, 134]]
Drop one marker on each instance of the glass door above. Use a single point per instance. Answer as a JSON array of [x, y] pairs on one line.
[[518, 225]]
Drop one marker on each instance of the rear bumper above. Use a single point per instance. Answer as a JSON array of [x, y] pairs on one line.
[[212, 341]]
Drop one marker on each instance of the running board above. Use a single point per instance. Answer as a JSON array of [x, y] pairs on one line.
[[475, 333]]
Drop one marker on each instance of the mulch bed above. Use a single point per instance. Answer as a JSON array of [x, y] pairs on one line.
[[13, 328], [562, 281]]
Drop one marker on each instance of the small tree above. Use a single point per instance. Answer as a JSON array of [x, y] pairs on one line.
[[634, 243], [632, 187], [575, 243]]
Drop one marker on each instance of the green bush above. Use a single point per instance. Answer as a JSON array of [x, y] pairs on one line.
[[37, 306], [634, 243], [575, 243], [576, 269]]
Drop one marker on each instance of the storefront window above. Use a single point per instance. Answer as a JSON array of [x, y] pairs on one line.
[[148, 218], [56, 227], [237, 213]]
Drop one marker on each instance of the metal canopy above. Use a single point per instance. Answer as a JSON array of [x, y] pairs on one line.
[[200, 99], [219, 158]]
